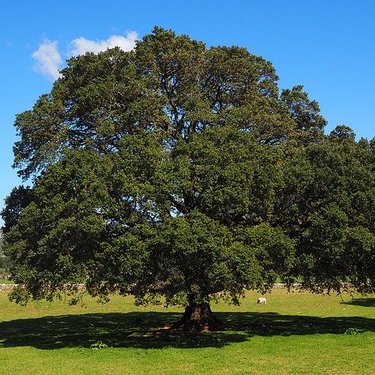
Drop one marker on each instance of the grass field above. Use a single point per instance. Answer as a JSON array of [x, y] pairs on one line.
[[294, 333]]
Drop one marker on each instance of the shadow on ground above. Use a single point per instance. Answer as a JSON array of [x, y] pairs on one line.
[[137, 330], [366, 302]]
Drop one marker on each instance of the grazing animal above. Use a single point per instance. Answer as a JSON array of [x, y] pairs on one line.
[[261, 300]]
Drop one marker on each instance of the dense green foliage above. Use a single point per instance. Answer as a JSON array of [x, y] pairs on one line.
[[182, 171], [330, 212]]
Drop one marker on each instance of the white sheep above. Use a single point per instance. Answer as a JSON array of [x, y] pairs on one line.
[[261, 300]]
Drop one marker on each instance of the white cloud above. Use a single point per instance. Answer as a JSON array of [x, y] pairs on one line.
[[48, 59], [82, 45]]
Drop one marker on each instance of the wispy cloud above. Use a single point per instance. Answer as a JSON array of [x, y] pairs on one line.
[[82, 45], [48, 59]]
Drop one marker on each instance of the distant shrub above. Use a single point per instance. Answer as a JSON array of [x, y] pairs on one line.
[[4, 266]]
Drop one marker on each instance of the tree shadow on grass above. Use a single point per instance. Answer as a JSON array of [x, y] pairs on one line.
[[366, 302], [137, 330]]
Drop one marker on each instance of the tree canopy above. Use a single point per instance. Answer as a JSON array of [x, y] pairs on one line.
[[182, 171]]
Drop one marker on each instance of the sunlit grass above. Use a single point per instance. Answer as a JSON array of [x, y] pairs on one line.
[[294, 333]]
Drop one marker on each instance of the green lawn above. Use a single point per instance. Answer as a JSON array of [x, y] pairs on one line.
[[294, 333]]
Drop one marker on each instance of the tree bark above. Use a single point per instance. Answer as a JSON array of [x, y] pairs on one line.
[[198, 317]]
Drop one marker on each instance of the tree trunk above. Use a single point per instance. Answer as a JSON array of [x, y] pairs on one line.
[[198, 317]]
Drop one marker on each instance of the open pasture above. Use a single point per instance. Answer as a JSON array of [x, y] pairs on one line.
[[294, 333]]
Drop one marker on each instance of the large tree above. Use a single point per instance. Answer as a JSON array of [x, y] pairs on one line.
[[157, 172]]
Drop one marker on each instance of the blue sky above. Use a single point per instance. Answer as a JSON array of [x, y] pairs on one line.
[[328, 46]]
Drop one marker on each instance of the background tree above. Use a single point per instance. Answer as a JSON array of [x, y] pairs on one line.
[[327, 206], [4, 261]]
